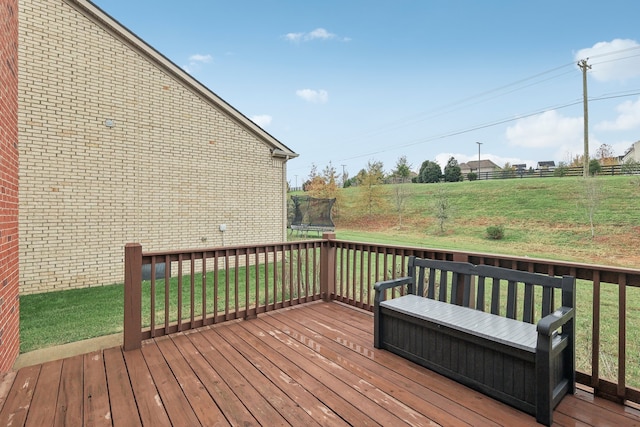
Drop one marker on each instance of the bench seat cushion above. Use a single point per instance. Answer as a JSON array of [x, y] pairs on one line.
[[500, 329]]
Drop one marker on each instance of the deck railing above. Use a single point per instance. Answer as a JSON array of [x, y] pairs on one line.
[[209, 286], [206, 286]]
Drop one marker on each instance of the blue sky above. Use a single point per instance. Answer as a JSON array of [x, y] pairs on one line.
[[351, 81]]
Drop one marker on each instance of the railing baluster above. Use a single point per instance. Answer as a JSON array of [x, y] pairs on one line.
[[257, 269], [180, 292], [204, 288], [236, 294], [247, 282], [152, 321], [595, 333], [226, 284], [216, 278], [167, 293], [622, 334], [192, 287]]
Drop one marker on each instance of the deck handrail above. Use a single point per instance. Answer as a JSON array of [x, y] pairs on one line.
[[243, 281]]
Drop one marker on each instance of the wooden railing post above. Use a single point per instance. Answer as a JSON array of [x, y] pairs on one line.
[[132, 296], [327, 267]]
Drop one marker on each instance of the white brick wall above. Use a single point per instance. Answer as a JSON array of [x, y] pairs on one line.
[[172, 169]]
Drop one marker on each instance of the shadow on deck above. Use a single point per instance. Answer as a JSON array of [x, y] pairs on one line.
[[313, 364]]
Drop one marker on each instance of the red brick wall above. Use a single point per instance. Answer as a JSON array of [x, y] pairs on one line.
[[9, 302]]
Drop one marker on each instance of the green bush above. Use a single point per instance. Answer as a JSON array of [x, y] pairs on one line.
[[594, 167], [561, 170], [495, 232], [472, 176]]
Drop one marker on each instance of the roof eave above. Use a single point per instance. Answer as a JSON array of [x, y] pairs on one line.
[[151, 53]]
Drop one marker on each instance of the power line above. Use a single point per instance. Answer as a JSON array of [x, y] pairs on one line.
[[482, 97]]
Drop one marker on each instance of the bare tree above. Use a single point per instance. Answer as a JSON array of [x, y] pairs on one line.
[[370, 183], [605, 155], [443, 208], [400, 196], [591, 200]]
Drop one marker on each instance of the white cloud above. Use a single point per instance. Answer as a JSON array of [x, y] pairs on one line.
[[614, 60], [294, 37], [628, 118], [201, 58], [196, 61], [262, 120], [545, 130], [314, 96], [317, 34], [322, 34]]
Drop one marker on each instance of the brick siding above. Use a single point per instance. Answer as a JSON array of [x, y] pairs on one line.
[[9, 271], [172, 167]]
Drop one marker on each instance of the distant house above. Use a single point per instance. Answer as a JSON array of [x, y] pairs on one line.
[[118, 144], [472, 166], [546, 165], [632, 154]]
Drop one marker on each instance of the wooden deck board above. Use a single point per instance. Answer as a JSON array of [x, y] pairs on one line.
[[429, 386], [150, 408], [20, 397], [124, 411], [230, 405], [313, 364], [45, 397], [268, 361], [256, 403], [96, 397]]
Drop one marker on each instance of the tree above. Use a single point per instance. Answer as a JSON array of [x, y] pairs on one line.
[[324, 186], [508, 171], [452, 172], [630, 167], [561, 170], [590, 201], [429, 172], [576, 161], [400, 196], [594, 167], [312, 182], [605, 155], [403, 170], [442, 208], [370, 180]]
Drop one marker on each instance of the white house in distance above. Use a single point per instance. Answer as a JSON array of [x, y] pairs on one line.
[[472, 166], [633, 153]]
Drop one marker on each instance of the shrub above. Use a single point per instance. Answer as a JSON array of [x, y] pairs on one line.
[[561, 170], [594, 167], [495, 232], [472, 176]]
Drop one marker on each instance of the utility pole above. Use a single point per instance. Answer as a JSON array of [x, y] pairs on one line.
[[479, 144], [584, 67], [344, 175]]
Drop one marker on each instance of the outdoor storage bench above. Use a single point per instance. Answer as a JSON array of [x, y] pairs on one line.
[[436, 317]]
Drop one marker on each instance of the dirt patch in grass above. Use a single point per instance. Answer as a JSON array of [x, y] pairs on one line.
[[533, 238]]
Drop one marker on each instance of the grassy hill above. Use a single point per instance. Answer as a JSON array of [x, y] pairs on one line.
[[542, 217]]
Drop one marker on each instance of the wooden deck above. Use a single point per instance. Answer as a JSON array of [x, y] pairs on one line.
[[309, 365]]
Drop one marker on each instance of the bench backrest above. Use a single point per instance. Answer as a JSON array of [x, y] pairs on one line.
[[511, 293]]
